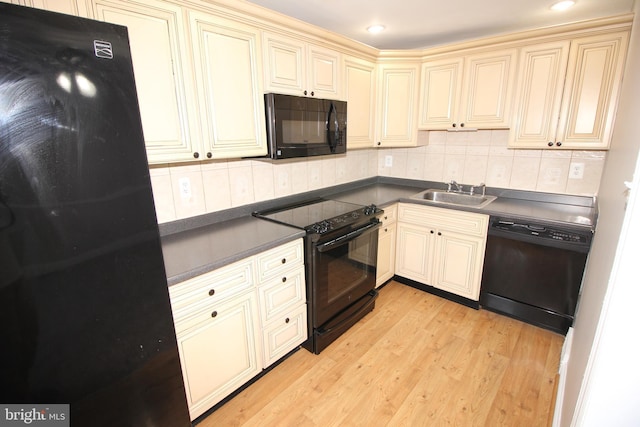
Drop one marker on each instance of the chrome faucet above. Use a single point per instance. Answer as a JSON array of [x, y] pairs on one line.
[[482, 186], [452, 184]]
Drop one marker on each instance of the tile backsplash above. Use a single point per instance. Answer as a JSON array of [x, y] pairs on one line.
[[181, 191]]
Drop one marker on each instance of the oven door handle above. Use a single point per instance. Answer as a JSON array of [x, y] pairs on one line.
[[372, 294], [323, 247]]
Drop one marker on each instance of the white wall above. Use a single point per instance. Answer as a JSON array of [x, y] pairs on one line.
[[602, 384], [467, 157]]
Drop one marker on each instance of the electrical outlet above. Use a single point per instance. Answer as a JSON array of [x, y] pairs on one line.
[[576, 171], [185, 187], [388, 161]]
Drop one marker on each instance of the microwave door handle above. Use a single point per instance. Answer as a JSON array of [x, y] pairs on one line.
[[332, 138]]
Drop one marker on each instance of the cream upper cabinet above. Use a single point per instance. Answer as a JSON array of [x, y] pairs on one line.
[[360, 93], [443, 248], [157, 40], [398, 105], [70, 7], [567, 93], [474, 91], [299, 68], [228, 70]]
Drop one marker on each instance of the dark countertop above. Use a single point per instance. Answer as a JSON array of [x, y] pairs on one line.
[[201, 244], [197, 251]]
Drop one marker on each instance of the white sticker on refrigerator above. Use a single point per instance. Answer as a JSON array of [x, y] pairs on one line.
[[103, 49]]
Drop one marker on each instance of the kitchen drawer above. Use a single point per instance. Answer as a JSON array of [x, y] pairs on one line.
[[469, 223], [281, 294], [212, 287], [389, 216], [278, 260], [285, 334]]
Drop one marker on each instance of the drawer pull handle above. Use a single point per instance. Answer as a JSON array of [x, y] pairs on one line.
[[214, 314], [284, 260], [286, 320], [211, 292], [284, 279]]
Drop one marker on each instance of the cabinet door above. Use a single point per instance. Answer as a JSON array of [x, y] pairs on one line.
[[69, 7], [386, 254], [539, 94], [487, 91], [360, 93], [229, 75], [284, 62], [458, 264], [221, 353], [156, 37], [284, 334], [398, 105], [440, 89], [414, 252], [323, 72], [594, 75]]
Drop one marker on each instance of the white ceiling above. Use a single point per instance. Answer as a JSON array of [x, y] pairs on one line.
[[412, 24]]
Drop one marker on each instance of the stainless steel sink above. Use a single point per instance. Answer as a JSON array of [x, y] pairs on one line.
[[453, 198]]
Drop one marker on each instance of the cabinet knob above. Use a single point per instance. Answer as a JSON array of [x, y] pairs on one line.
[[461, 125], [284, 279], [379, 143], [439, 233], [385, 217], [211, 292], [550, 144], [286, 320], [196, 155], [385, 230], [305, 92], [214, 314], [312, 94], [431, 231], [284, 260], [454, 125], [209, 155], [559, 143]]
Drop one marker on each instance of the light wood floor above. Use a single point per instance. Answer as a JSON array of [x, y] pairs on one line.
[[416, 360]]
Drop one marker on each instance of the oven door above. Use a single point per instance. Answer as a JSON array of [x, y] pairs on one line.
[[343, 271]]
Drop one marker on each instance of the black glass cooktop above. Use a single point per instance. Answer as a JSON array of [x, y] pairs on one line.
[[307, 214]]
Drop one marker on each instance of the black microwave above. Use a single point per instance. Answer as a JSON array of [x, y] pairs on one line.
[[303, 127]]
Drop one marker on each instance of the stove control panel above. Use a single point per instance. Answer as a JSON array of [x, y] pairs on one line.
[[344, 220]]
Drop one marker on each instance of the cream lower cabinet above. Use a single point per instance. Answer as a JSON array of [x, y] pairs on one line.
[[473, 91], [443, 248], [386, 245], [234, 321], [282, 300], [567, 93]]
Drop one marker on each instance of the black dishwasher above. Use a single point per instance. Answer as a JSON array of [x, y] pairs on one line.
[[533, 272]]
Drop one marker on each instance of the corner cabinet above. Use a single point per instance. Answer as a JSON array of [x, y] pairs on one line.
[[360, 93], [443, 248], [157, 37], [228, 71], [298, 68], [233, 322], [473, 91], [567, 93], [398, 104]]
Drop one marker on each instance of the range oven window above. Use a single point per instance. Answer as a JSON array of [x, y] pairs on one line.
[[343, 272]]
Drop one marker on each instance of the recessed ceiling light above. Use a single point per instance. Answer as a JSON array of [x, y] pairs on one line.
[[375, 29], [563, 5]]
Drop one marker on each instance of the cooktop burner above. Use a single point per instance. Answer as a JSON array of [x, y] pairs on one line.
[[320, 215]]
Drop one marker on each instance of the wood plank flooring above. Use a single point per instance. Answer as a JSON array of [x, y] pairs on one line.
[[416, 360]]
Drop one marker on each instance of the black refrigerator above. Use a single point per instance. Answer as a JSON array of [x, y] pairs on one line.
[[85, 318]]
